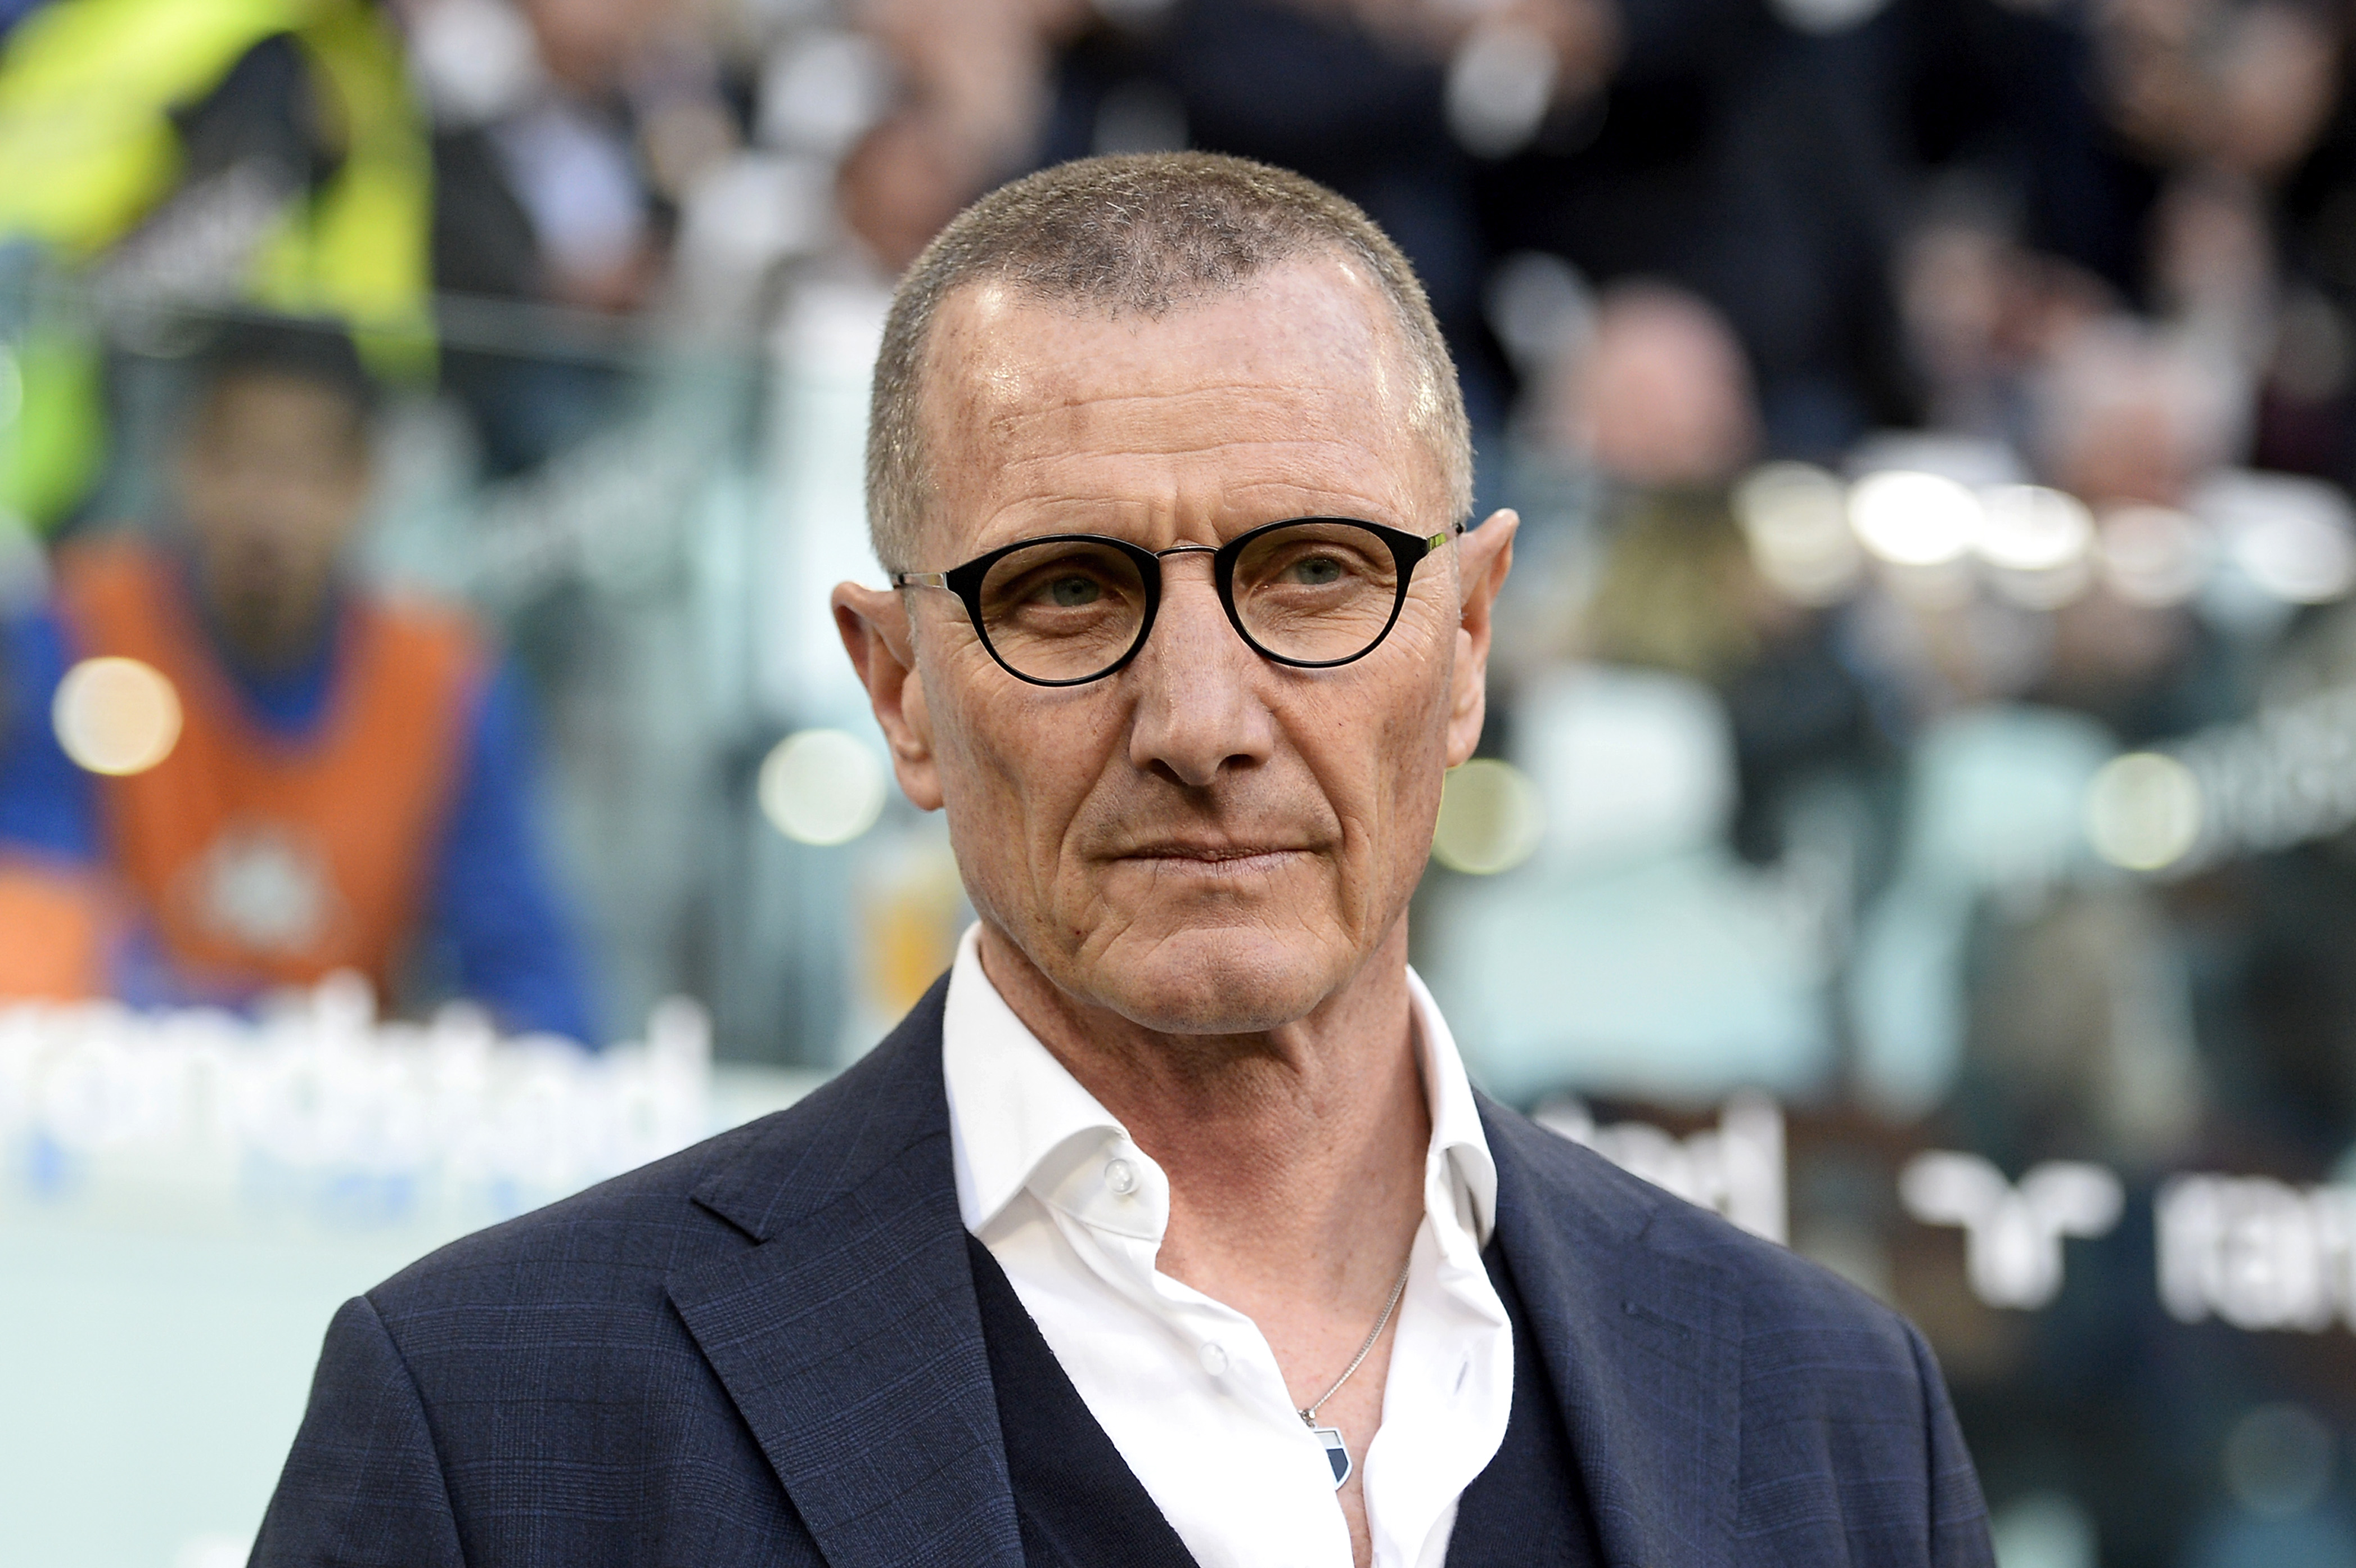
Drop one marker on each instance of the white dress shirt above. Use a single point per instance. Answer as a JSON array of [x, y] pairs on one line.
[[1186, 1386]]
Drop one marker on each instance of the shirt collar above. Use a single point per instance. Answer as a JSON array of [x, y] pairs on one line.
[[1014, 1108], [1459, 1147]]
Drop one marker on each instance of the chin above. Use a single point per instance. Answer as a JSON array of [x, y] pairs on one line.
[[1218, 980]]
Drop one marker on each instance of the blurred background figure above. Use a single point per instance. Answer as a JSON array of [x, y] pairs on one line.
[[329, 779], [569, 135], [268, 155], [1661, 398]]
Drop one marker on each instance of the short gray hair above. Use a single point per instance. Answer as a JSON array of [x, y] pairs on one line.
[[1141, 232]]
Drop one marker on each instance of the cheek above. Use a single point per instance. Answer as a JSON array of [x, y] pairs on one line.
[[1416, 700], [341, 503], [1414, 761], [207, 495], [1014, 770], [329, 514], [1382, 778]]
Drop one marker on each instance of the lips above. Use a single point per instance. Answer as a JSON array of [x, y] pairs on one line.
[[1209, 852], [1223, 860]]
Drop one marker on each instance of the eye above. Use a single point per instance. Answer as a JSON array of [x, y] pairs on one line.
[[1072, 590], [1315, 571]]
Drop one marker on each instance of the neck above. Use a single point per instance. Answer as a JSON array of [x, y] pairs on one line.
[[1295, 1156], [268, 639], [270, 650], [262, 635]]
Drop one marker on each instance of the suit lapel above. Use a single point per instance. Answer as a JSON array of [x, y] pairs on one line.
[[848, 1337], [1642, 1345]]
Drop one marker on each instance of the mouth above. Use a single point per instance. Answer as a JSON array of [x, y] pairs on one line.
[[1214, 859]]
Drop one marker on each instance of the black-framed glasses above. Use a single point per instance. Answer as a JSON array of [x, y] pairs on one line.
[[1069, 608]]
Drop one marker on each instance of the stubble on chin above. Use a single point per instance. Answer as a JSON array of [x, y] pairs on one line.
[[1167, 954]]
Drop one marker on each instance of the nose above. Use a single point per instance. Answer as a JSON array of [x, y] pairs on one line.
[[1197, 712]]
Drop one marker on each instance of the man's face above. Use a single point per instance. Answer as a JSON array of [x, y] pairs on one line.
[[271, 479], [1206, 842]]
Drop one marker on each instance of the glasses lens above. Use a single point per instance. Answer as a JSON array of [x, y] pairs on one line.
[[1063, 610], [1316, 591]]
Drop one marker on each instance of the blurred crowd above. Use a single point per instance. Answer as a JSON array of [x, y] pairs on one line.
[[1927, 692]]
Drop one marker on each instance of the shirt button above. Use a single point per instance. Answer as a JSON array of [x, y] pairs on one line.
[[1214, 1360], [1120, 1177]]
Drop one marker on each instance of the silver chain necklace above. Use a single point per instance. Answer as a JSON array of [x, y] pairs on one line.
[[1337, 1453]]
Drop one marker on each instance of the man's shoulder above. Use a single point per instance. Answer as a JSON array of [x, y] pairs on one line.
[[645, 1220], [1810, 1418], [615, 1246], [1778, 1301]]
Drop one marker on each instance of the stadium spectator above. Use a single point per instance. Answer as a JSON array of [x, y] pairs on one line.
[[559, 176], [349, 787]]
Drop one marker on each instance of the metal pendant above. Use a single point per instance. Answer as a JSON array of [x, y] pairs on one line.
[[1337, 1453]]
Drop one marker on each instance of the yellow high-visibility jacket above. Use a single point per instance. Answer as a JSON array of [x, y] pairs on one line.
[[88, 149]]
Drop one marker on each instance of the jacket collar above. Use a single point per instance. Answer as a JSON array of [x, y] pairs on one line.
[[1640, 1341], [849, 1335], [850, 1340]]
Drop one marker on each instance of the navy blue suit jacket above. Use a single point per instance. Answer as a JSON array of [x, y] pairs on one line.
[[766, 1350]]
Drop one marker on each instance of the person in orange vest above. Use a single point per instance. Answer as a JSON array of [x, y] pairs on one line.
[[348, 783]]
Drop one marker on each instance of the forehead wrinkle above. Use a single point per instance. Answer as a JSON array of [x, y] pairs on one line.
[[989, 316], [1297, 427], [1313, 450], [1012, 395], [1289, 455], [1072, 401], [1200, 482]]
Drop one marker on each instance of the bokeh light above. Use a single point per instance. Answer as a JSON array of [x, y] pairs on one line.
[[1795, 517], [2297, 556], [822, 787], [1910, 519], [2153, 555], [116, 716], [1500, 83], [2280, 1460], [1490, 818], [2144, 810], [2029, 527], [1539, 308]]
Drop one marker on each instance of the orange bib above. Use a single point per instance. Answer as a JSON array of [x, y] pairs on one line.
[[55, 929], [263, 860]]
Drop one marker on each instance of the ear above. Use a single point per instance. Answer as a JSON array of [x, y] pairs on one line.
[[1483, 556], [875, 633]]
